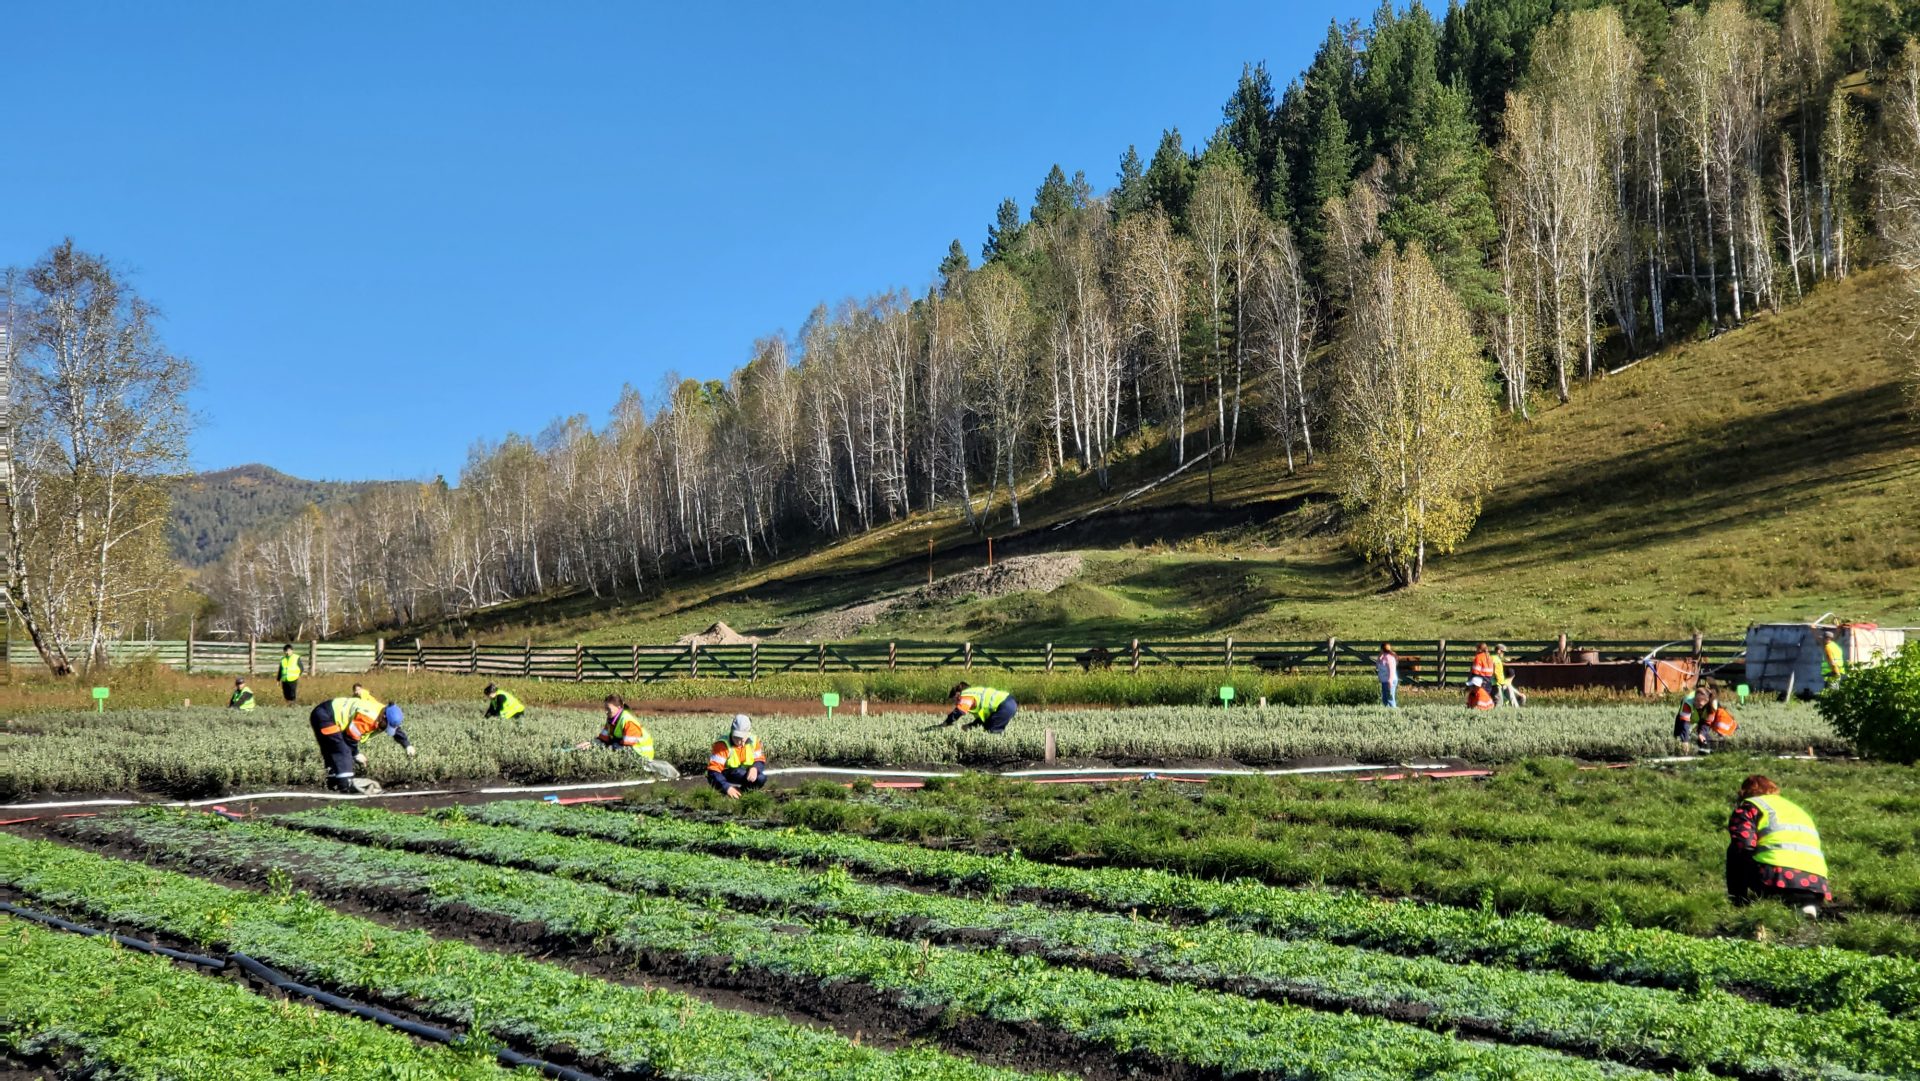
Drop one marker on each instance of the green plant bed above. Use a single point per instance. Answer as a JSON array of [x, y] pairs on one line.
[[204, 752]]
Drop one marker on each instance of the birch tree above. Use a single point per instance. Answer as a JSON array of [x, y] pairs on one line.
[[100, 421], [1413, 424]]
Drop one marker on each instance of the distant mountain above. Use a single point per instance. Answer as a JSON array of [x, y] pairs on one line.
[[211, 510]]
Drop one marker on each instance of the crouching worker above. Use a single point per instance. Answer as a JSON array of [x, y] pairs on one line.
[[989, 707], [341, 725], [624, 732], [740, 762], [502, 704], [242, 697], [1775, 850]]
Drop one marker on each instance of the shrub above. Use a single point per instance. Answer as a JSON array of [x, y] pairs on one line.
[[1877, 708]]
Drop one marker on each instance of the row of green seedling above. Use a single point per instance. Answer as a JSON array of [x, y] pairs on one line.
[[1713, 1030], [505, 997], [98, 1009], [1819, 978], [1157, 1028]]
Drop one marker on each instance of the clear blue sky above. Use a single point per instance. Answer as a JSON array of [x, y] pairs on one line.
[[385, 231]]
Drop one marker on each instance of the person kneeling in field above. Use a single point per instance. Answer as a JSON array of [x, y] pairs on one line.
[[1775, 850], [739, 761], [1711, 722], [242, 696], [990, 707], [502, 704], [623, 731], [341, 725]]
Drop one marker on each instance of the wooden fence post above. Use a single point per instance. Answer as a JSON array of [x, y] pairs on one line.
[[473, 656], [1441, 675], [693, 660], [1561, 655], [1229, 653], [253, 647], [968, 649], [579, 662], [379, 652], [189, 645], [636, 662], [753, 661], [1136, 655], [1699, 644], [526, 659], [893, 656], [420, 652], [1049, 658], [820, 653], [313, 656], [1333, 656]]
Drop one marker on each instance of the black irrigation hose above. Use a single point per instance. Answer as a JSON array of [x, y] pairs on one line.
[[279, 980], [130, 943]]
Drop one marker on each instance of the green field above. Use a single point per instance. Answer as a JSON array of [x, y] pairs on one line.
[[180, 753]]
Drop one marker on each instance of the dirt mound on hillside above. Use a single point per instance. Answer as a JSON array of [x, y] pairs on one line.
[[1041, 573], [717, 635]]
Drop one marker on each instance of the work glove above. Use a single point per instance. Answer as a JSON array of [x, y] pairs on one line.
[[410, 750], [360, 758]]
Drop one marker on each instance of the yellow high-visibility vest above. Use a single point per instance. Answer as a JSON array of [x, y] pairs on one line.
[[509, 705], [1788, 837], [289, 669], [982, 701]]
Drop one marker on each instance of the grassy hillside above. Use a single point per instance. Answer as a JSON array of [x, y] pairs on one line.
[[1772, 472], [211, 510]]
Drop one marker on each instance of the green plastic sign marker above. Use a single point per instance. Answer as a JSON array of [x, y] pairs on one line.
[[830, 700], [1226, 695], [1742, 690], [100, 699]]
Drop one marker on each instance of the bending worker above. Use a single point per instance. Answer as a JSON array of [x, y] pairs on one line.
[[1710, 721], [623, 731], [739, 762], [341, 725], [1775, 850], [990, 707], [289, 673], [242, 697], [502, 704]]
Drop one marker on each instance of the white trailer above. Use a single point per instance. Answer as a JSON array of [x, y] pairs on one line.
[[1785, 657]]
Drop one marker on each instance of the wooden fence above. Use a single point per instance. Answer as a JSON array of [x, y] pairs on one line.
[[1435, 661]]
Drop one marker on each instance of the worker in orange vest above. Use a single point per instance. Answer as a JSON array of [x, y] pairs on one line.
[[739, 762], [1711, 722], [341, 725], [1480, 680]]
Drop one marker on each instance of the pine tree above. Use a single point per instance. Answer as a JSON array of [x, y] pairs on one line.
[[1398, 72], [1330, 159], [955, 264], [1004, 235], [1170, 177], [1440, 199], [1251, 127], [1054, 199], [1130, 195], [1499, 36]]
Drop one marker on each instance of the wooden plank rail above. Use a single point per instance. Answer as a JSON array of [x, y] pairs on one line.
[[1423, 662]]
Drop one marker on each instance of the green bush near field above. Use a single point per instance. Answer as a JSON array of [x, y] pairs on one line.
[[1877, 707]]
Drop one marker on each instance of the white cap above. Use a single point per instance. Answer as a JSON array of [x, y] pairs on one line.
[[741, 725]]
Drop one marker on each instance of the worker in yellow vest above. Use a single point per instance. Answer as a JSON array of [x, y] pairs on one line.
[[989, 707], [341, 725], [1775, 850], [242, 698], [1833, 663], [737, 762], [502, 704], [623, 731], [289, 673]]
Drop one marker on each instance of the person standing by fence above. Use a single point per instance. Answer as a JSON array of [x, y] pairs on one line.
[[1387, 667], [1504, 691], [289, 674]]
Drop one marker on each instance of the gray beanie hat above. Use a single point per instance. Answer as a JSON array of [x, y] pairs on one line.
[[741, 726]]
